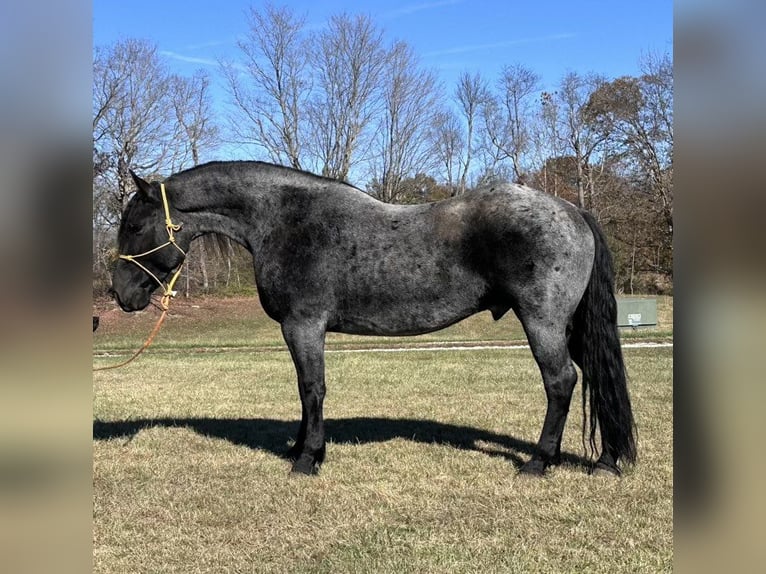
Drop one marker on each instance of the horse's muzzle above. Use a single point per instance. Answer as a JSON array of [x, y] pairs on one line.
[[131, 287], [133, 300]]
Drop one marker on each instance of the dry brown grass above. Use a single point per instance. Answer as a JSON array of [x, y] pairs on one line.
[[420, 475]]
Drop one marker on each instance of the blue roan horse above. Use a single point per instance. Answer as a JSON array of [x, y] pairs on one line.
[[328, 257]]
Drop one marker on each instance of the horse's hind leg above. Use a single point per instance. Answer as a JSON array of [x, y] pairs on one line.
[[295, 451], [548, 342], [306, 343]]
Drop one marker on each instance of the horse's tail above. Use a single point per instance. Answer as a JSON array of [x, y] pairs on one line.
[[595, 346]]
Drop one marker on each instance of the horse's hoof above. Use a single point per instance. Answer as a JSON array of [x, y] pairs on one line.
[[603, 469], [293, 453], [533, 467], [305, 465]]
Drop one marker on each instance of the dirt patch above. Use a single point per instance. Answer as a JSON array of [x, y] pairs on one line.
[[199, 308]]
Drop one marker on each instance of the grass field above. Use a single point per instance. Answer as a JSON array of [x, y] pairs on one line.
[[211, 323], [189, 473]]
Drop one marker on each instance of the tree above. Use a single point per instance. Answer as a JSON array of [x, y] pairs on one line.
[[419, 188], [508, 117], [558, 176], [471, 93], [447, 142], [132, 115], [348, 60], [143, 119], [191, 104], [410, 99], [638, 114], [270, 97], [574, 133], [193, 113], [131, 128], [656, 139]]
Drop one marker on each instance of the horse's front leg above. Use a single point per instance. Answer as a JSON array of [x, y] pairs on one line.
[[305, 339]]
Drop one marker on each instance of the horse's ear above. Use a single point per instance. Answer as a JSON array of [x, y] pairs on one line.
[[143, 186]]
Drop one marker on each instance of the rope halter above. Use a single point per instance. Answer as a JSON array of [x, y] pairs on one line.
[[170, 227]]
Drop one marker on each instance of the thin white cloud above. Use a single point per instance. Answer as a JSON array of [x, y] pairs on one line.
[[189, 59], [495, 45], [210, 44], [412, 8]]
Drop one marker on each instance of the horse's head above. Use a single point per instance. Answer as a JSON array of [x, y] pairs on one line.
[[148, 255]]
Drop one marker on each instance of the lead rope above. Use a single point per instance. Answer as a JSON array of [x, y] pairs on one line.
[[168, 292]]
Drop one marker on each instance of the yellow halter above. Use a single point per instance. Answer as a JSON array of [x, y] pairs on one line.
[[168, 292], [170, 227]]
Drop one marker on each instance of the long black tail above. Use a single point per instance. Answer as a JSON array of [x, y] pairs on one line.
[[595, 346]]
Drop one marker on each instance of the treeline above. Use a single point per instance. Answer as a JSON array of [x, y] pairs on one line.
[[347, 103]]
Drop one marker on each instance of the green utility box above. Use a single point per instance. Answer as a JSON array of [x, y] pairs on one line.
[[636, 312]]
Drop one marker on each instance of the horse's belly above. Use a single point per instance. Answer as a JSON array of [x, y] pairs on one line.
[[403, 317]]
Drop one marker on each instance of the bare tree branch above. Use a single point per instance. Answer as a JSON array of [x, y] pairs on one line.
[[270, 89], [349, 60], [410, 101], [508, 116], [471, 94]]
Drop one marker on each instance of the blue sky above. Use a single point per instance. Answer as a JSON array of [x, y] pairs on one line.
[[551, 38]]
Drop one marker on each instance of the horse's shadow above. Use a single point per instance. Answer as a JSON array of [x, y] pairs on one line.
[[271, 435]]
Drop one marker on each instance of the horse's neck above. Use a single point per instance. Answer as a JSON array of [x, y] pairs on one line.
[[223, 207]]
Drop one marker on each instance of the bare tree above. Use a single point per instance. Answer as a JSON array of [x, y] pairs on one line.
[[271, 94], [410, 98], [143, 119], [508, 117], [193, 113], [132, 127], [577, 133], [545, 142], [471, 93], [447, 141], [655, 138], [132, 115], [191, 104], [349, 60]]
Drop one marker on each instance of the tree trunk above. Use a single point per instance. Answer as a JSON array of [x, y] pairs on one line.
[[580, 186], [633, 262], [203, 265]]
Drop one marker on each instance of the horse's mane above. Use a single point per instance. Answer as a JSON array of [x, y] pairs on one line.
[[262, 165]]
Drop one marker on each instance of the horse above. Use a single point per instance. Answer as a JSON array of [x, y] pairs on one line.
[[328, 257]]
